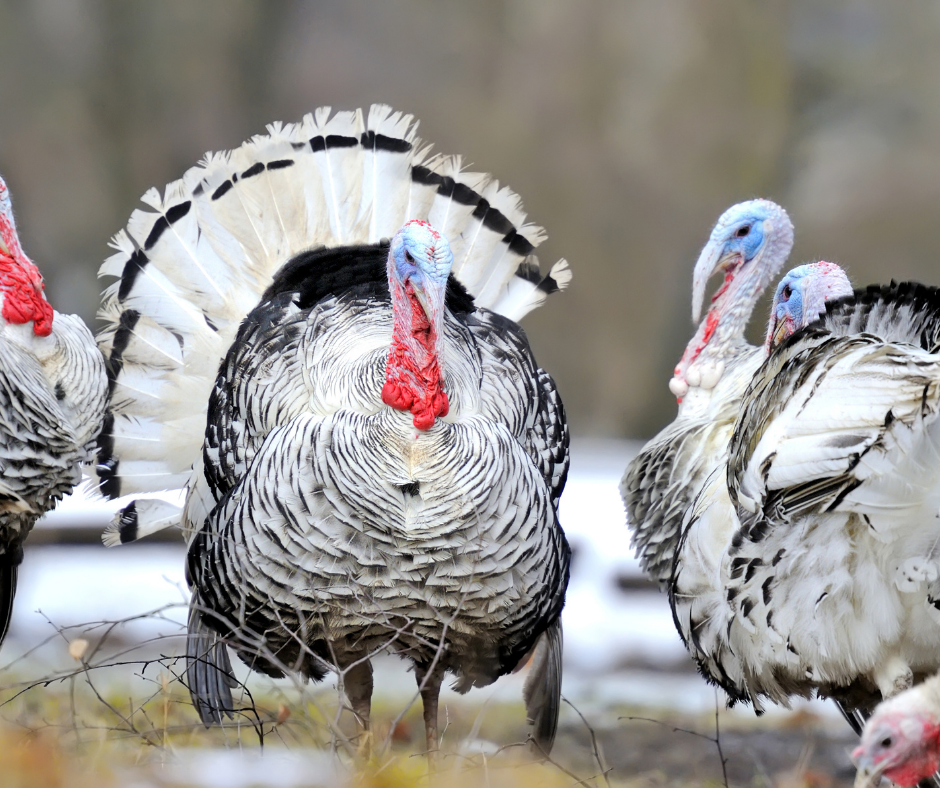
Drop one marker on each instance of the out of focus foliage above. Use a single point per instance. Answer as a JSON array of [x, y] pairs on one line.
[[626, 127]]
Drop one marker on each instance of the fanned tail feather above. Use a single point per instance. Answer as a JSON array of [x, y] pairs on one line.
[[141, 518], [191, 266], [542, 689], [906, 312]]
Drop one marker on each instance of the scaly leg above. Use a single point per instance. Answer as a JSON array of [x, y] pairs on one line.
[[429, 685], [357, 683]]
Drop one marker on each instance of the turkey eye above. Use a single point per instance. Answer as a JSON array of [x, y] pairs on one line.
[[785, 293], [886, 742], [743, 231], [408, 257]]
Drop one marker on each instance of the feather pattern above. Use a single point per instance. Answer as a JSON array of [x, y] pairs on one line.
[[810, 568], [193, 267], [324, 523]]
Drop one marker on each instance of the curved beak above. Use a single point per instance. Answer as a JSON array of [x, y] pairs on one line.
[[713, 258], [422, 297], [782, 329], [431, 297], [868, 775]]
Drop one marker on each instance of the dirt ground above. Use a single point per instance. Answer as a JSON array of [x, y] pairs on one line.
[[792, 751]]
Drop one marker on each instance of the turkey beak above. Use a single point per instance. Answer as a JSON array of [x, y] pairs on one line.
[[867, 775], [714, 257], [422, 296], [782, 330], [4, 248]]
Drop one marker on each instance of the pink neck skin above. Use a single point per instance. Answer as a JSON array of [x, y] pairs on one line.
[[731, 306], [21, 284], [413, 372], [706, 328]]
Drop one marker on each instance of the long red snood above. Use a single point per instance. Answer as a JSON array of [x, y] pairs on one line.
[[413, 373]]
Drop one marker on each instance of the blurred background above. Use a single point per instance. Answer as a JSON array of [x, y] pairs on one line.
[[626, 127]]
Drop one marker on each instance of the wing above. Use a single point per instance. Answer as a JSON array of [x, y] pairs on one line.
[[39, 449], [518, 393], [838, 424], [662, 481]]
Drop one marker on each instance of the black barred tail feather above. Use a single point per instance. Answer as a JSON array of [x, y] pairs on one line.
[[542, 689], [8, 574], [139, 519], [897, 312], [192, 268], [208, 671]]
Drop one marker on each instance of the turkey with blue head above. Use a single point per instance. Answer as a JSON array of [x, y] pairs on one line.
[[747, 246], [372, 457], [811, 566]]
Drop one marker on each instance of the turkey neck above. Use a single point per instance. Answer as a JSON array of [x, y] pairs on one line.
[[413, 370], [721, 334]]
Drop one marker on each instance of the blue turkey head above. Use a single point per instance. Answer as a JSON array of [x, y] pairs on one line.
[[801, 298], [754, 236]]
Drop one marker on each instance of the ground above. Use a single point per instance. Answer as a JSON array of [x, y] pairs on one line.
[[88, 728]]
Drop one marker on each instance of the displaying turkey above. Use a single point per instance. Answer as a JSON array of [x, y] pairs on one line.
[[901, 741], [373, 459], [811, 567], [52, 399], [749, 244]]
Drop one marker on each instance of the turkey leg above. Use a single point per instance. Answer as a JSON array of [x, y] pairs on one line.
[[429, 686], [357, 684]]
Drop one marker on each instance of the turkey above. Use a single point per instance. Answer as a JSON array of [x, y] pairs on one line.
[[811, 567], [749, 244], [372, 457], [901, 741], [52, 398]]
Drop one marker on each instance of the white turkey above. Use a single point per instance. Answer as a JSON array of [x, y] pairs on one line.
[[811, 566], [52, 398], [901, 741], [748, 245], [372, 457]]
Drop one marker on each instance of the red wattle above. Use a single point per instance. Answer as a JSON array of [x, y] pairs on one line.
[[21, 284], [412, 372]]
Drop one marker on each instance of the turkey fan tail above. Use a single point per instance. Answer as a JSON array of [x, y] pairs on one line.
[[192, 265], [542, 689], [208, 671], [493, 246], [8, 574], [907, 312], [140, 518]]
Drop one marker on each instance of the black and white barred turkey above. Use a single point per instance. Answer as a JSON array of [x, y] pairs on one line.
[[52, 400], [372, 457]]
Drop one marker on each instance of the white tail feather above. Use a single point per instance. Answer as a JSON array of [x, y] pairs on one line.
[[140, 518], [192, 268]]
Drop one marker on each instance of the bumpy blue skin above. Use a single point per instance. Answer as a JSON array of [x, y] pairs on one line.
[[790, 305], [741, 229], [430, 255]]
